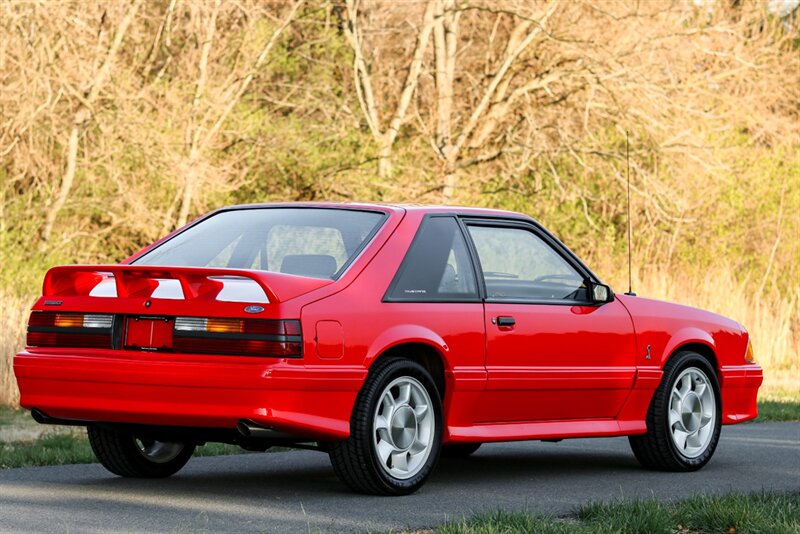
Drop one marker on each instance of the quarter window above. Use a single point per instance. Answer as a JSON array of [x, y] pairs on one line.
[[519, 265], [437, 266]]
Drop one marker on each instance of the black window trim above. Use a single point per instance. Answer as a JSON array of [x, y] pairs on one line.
[[549, 239], [338, 274], [477, 297]]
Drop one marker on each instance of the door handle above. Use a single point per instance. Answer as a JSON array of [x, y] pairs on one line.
[[506, 321]]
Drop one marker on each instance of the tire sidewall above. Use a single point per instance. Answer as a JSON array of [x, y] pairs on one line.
[[675, 367], [119, 453], [385, 375]]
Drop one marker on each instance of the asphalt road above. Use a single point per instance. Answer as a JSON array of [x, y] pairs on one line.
[[298, 492]]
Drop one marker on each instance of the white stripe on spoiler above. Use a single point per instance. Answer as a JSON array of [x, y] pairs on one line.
[[233, 289]]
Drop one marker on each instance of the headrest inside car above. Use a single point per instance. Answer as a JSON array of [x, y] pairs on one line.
[[313, 265]]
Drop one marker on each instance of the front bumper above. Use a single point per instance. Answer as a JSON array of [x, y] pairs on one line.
[[739, 386], [192, 391]]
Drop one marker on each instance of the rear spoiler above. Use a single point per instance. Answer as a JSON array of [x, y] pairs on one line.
[[134, 281]]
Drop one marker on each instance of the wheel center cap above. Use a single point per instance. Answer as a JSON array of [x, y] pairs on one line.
[[404, 427], [691, 412]]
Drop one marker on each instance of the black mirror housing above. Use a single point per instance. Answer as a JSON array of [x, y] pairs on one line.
[[601, 293]]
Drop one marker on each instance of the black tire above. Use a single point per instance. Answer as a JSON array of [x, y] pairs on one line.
[[356, 460], [657, 449], [121, 453], [459, 450]]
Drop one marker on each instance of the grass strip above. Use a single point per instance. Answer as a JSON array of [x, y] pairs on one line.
[[778, 410], [74, 448], [13, 416], [777, 513], [779, 405]]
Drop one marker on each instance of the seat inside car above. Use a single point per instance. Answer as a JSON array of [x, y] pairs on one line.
[[314, 265]]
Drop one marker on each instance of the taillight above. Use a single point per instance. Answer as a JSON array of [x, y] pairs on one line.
[[82, 330], [245, 337]]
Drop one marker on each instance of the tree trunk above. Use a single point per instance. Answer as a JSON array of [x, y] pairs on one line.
[[385, 160], [82, 116], [450, 177], [449, 186], [66, 181], [190, 178]]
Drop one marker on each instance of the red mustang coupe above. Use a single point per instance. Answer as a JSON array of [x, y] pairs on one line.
[[385, 336]]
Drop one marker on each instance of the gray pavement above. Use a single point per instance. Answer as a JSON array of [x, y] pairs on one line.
[[298, 492]]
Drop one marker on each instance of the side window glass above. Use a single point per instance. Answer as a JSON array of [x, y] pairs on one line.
[[518, 265], [437, 266]]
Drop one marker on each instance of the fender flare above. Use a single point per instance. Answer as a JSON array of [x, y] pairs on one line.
[[407, 333], [686, 336]]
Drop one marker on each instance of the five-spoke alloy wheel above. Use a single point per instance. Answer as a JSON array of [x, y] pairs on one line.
[[404, 427], [692, 412], [395, 431], [683, 421]]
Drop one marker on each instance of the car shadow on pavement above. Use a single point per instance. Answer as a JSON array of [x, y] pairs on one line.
[[310, 474]]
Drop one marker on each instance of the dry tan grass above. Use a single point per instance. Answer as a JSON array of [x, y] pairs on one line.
[[772, 320], [12, 338]]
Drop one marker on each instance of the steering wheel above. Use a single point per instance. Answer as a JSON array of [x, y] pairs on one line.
[[544, 277]]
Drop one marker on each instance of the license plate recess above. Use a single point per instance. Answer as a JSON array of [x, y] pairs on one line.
[[147, 332]]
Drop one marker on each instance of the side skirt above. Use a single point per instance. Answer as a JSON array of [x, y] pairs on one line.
[[488, 432]]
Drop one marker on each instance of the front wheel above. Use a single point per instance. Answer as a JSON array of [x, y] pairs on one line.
[[684, 419], [127, 455], [395, 432]]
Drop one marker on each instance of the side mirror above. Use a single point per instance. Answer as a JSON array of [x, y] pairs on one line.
[[601, 293]]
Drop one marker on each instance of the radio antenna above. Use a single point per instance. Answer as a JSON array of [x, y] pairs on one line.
[[630, 231]]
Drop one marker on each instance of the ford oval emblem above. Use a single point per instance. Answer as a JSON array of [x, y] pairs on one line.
[[254, 309]]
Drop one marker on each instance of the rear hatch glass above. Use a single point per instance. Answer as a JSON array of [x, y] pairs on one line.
[[312, 242]]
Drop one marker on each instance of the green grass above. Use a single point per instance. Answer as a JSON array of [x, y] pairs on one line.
[[779, 406], [735, 513], [57, 449], [73, 448], [771, 410], [9, 416]]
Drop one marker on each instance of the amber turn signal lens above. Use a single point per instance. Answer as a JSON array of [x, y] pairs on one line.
[[749, 356], [69, 320], [232, 326]]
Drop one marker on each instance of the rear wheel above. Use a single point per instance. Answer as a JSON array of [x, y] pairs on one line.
[[684, 419], [395, 432], [127, 455]]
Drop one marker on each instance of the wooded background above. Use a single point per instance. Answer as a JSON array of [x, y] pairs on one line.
[[122, 120]]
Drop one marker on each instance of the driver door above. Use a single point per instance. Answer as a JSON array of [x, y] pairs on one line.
[[552, 354]]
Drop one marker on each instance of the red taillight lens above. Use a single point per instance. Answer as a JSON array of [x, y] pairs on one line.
[[51, 329], [242, 337], [240, 347], [53, 339]]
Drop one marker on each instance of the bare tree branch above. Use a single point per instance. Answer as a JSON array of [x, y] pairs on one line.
[[82, 116]]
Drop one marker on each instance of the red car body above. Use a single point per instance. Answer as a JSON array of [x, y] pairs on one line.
[[559, 371]]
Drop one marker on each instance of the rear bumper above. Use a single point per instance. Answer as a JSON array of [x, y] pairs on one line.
[[140, 388], [739, 392]]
